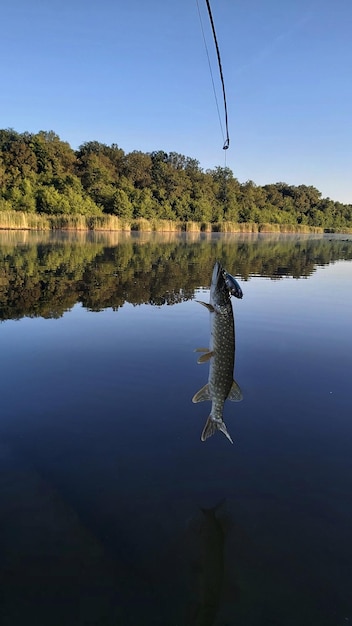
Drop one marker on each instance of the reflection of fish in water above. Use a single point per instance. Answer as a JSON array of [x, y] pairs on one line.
[[211, 567], [221, 353]]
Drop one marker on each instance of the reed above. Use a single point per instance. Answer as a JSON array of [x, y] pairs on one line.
[[141, 224], [235, 227], [304, 228], [19, 220], [269, 228], [165, 226], [266, 227], [226, 227], [249, 227], [107, 222], [68, 222], [339, 231]]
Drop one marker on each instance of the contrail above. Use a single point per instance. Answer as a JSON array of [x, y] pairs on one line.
[[268, 49]]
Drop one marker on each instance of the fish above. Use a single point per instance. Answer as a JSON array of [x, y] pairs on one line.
[[221, 353]]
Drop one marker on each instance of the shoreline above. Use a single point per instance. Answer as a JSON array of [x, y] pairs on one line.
[[16, 220]]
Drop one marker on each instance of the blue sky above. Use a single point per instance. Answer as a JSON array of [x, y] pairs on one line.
[[136, 73]]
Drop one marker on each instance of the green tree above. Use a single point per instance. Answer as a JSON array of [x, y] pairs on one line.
[[51, 201], [137, 167], [121, 205]]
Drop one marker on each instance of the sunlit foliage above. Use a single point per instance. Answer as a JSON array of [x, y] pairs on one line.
[[41, 174]]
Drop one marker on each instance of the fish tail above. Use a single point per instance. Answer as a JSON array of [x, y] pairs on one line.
[[211, 426]]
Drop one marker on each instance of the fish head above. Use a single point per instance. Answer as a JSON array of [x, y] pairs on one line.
[[217, 271], [223, 285], [219, 291]]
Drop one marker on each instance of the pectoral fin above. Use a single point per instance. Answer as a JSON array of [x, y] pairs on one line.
[[202, 394], [235, 394], [207, 305], [201, 350], [205, 357]]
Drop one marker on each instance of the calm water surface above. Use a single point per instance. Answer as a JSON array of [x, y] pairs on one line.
[[103, 475]]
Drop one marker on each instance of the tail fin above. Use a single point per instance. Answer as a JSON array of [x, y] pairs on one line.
[[211, 426]]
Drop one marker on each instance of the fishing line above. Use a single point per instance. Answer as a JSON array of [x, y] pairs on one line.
[[227, 139]]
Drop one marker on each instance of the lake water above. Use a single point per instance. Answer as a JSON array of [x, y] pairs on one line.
[[103, 474]]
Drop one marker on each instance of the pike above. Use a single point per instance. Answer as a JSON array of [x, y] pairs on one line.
[[221, 353]]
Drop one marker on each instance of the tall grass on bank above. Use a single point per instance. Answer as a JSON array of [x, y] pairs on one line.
[[107, 222], [18, 220], [289, 228], [339, 231], [88, 222]]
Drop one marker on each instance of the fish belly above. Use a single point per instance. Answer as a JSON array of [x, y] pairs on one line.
[[222, 345]]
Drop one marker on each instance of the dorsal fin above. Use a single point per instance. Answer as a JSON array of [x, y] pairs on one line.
[[235, 394]]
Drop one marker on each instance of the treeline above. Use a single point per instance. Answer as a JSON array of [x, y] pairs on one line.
[[48, 278], [40, 174]]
